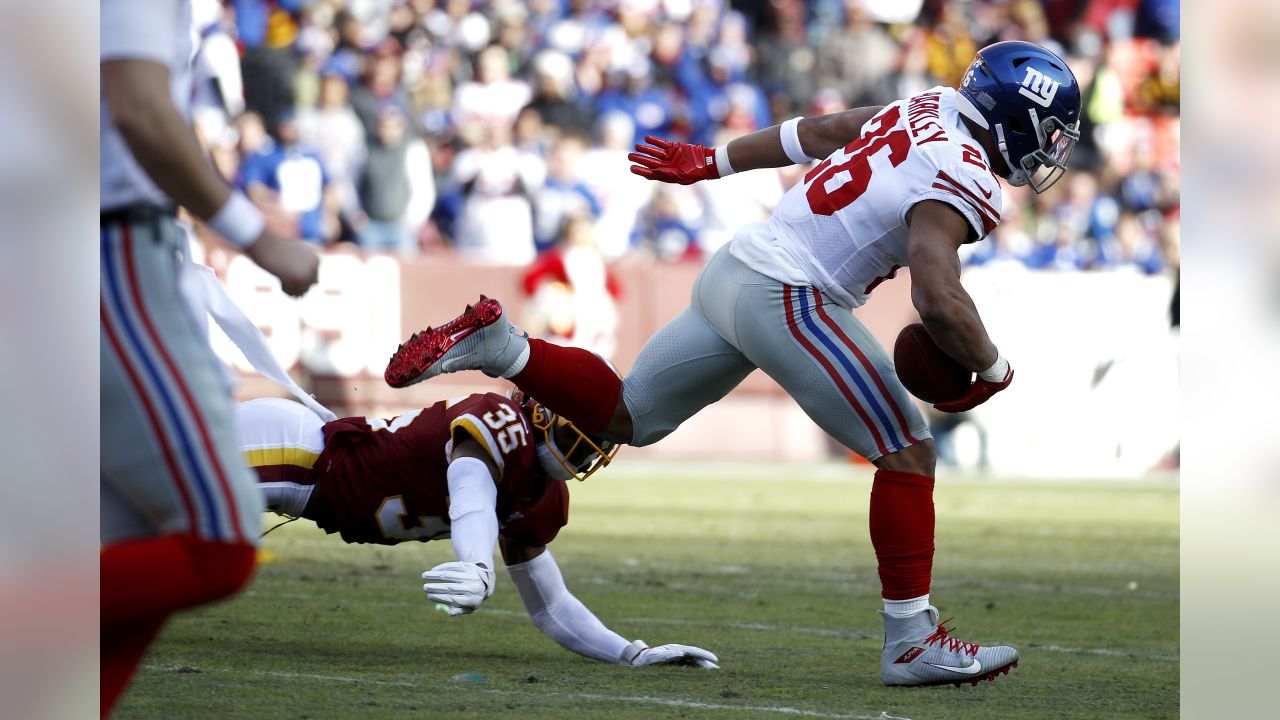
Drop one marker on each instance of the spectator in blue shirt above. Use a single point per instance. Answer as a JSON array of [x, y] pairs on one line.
[[285, 176], [1133, 248], [721, 90], [635, 95], [563, 195]]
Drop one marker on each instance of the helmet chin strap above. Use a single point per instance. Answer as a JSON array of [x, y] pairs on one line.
[[1017, 176]]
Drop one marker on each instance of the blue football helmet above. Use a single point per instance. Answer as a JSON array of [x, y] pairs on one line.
[[1028, 98]]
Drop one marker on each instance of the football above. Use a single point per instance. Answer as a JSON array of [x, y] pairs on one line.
[[925, 370]]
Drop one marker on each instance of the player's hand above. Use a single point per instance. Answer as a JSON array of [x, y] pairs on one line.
[[637, 654], [673, 162], [979, 392], [459, 586], [296, 264]]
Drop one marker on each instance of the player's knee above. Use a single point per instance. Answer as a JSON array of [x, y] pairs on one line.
[[918, 459], [642, 437], [225, 567]]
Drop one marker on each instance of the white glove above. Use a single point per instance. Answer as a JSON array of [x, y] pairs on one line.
[[637, 653], [459, 586]]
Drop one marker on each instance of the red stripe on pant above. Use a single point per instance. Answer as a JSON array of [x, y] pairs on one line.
[[192, 408], [902, 531], [866, 363], [793, 324], [152, 420]]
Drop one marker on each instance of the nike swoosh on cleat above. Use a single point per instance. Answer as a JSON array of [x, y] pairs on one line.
[[448, 365], [973, 669]]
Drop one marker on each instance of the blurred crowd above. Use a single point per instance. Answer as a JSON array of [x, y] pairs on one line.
[[499, 130]]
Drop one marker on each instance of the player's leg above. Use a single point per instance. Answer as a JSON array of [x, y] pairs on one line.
[[182, 526], [281, 441], [834, 368], [844, 380], [683, 368], [575, 383]]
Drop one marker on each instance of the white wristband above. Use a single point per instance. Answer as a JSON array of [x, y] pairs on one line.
[[998, 371], [632, 651], [722, 161], [791, 141], [238, 222]]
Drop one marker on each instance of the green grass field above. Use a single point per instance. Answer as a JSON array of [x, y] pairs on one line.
[[768, 566]]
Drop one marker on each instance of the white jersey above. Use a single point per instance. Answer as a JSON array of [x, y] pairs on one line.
[[155, 30], [843, 230]]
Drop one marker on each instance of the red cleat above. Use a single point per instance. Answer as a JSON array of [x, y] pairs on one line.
[[478, 339]]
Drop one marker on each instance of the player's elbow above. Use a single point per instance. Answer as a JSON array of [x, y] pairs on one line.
[[135, 106], [136, 121]]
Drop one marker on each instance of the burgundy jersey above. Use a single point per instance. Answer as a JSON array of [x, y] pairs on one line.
[[385, 482]]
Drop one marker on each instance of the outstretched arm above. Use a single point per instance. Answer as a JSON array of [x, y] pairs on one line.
[[563, 617], [947, 311], [793, 142]]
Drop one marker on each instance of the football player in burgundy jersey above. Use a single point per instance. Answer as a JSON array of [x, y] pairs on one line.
[[481, 470], [898, 186]]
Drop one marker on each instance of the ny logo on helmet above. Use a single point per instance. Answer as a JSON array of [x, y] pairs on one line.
[[1038, 87]]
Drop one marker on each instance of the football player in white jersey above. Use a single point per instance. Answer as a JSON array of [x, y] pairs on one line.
[[180, 513], [900, 186]]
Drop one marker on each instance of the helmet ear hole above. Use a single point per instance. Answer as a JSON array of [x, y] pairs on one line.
[[1015, 124]]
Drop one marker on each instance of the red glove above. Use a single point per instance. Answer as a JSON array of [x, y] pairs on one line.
[[979, 392], [674, 162]]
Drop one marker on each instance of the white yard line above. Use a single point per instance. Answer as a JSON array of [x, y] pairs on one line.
[[645, 699], [636, 699], [1106, 651]]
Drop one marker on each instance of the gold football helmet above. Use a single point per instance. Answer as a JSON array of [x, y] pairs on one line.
[[561, 442]]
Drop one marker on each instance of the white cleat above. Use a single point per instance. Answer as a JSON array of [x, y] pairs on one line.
[[919, 651]]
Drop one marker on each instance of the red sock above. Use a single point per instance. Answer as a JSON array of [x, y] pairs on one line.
[[147, 579], [573, 382], [144, 581], [902, 533], [123, 647]]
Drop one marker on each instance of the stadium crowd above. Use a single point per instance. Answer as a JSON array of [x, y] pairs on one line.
[[499, 130]]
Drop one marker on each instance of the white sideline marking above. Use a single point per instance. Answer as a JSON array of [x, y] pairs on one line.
[[1106, 651], [783, 710]]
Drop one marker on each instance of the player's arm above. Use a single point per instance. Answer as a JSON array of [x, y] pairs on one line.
[[461, 586], [948, 313], [136, 92], [563, 617], [793, 142]]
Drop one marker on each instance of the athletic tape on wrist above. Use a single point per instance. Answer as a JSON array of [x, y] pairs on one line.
[[790, 135], [998, 371], [722, 161], [633, 651], [238, 222]]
